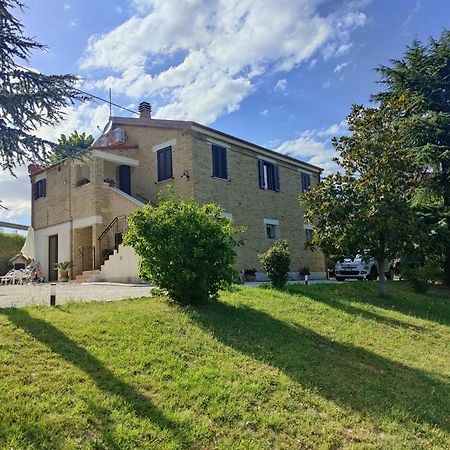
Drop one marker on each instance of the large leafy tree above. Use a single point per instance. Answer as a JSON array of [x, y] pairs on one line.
[[28, 99], [420, 80], [367, 206], [71, 146]]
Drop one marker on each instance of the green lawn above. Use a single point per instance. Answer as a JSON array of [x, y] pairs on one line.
[[320, 366]]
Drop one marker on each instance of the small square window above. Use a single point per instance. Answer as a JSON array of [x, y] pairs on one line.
[[309, 235], [271, 231]]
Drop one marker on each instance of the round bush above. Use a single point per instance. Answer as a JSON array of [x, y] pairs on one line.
[[276, 263], [185, 248]]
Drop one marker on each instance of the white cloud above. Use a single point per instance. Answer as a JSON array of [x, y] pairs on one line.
[[340, 66], [67, 6], [264, 112], [72, 23], [314, 147], [281, 85], [83, 118], [209, 50], [15, 193]]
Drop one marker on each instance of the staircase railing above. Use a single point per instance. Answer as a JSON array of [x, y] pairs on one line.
[[112, 237]]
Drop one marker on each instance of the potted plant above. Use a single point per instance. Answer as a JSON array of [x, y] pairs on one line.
[[110, 181], [250, 274], [64, 267]]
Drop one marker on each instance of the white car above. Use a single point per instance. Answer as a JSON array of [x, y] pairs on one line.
[[357, 268]]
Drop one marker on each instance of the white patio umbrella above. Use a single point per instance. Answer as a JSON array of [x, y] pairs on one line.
[[29, 248]]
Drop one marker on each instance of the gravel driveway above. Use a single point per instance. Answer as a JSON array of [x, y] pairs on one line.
[[15, 296]]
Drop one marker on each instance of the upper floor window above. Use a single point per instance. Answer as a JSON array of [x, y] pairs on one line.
[[219, 162], [269, 177], [164, 163], [40, 189], [306, 181]]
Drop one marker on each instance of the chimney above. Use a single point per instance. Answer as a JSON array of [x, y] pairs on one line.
[[145, 110]]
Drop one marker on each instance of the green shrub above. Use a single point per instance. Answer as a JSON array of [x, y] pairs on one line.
[[276, 262], [186, 249], [421, 278]]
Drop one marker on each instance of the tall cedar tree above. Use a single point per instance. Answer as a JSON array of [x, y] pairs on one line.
[[421, 81], [367, 206], [28, 99]]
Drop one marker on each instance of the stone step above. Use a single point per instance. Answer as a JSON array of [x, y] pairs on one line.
[[87, 276]]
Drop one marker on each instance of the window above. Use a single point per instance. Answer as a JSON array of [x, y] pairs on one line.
[[40, 189], [271, 230], [219, 161], [306, 181], [164, 162], [269, 177], [309, 235]]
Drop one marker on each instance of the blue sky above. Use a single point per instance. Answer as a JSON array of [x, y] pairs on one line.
[[281, 74]]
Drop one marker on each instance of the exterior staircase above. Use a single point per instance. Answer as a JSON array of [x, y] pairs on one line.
[[88, 276]]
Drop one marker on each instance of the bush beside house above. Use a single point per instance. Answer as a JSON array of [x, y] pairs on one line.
[[186, 249], [276, 262]]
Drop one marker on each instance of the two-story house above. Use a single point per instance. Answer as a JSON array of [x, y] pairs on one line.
[[79, 205]]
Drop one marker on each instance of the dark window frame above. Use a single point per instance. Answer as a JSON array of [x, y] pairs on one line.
[[40, 189], [305, 181], [269, 175], [271, 231], [164, 164], [219, 156]]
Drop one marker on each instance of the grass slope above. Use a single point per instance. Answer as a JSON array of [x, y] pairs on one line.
[[10, 245], [323, 366]]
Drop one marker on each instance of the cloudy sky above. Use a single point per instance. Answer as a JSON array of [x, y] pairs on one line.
[[282, 74]]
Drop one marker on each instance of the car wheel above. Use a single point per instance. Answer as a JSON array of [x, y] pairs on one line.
[[340, 279], [373, 275]]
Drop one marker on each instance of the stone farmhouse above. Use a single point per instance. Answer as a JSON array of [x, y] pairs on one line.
[[80, 206]]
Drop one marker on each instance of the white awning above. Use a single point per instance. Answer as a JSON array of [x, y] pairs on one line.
[[29, 248]]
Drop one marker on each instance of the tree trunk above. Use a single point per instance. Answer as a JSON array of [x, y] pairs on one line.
[[445, 171], [382, 282]]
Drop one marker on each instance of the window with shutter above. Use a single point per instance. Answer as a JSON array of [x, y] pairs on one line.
[[164, 164], [269, 177], [219, 161], [40, 189], [306, 181]]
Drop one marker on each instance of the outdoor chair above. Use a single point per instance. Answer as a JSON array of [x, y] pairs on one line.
[[6, 279]]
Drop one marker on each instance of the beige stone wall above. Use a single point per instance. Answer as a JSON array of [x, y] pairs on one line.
[[52, 209], [240, 196], [144, 178], [250, 205]]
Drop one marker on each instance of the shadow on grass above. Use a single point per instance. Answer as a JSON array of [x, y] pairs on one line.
[[347, 375], [101, 376], [350, 309], [434, 306]]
